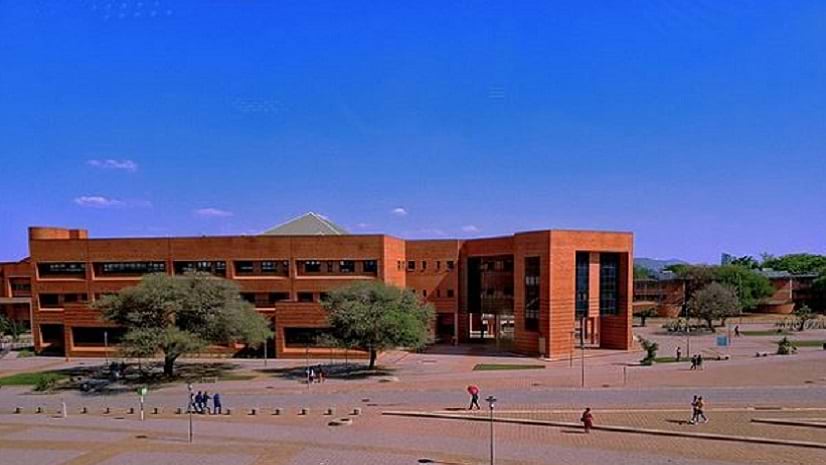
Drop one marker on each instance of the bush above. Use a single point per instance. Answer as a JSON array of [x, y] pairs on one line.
[[650, 348], [46, 382], [785, 347]]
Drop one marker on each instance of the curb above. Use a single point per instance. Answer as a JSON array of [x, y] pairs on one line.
[[783, 422], [616, 429]]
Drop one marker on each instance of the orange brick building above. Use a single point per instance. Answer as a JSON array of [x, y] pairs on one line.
[[528, 292]]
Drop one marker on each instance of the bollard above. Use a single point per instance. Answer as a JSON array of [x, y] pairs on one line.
[[38, 410], [330, 411], [107, 411], [253, 411], [131, 411], [356, 411], [179, 411], [304, 411], [84, 410], [228, 412], [277, 411], [156, 411], [18, 410]]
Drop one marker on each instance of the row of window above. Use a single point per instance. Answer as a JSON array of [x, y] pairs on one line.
[[58, 300], [449, 293], [411, 265], [216, 267]]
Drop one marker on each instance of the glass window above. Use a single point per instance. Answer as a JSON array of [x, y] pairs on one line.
[[312, 266], [278, 297], [583, 261], [245, 267], [424, 265], [370, 266], [49, 300], [608, 283], [450, 265], [532, 283], [438, 265], [73, 269], [305, 296], [411, 265], [347, 266]]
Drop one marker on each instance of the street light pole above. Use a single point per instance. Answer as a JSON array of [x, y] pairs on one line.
[[189, 409], [106, 346], [582, 349], [491, 402]]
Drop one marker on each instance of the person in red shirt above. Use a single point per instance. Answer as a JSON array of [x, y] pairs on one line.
[[473, 390], [587, 420]]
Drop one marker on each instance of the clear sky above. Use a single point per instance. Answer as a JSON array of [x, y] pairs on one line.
[[699, 125]]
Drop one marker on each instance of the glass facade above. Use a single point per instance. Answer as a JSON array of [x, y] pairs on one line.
[[608, 283], [582, 283], [532, 284]]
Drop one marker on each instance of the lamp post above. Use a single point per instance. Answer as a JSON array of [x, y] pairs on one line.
[[582, 349], [189, 410], [106, 346], [491, 402]]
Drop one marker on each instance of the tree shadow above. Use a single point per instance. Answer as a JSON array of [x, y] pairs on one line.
[[343, 371], [112, 379]]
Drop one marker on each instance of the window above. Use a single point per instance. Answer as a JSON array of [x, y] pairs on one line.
[[96, 337], [424, 265], [370, 266], [532, 280], [399, 265], [450, 265], [322, 296], [73, 269], [424, 292], [608, 283], [330, 266], [305, 296], [304, 337], [312, 266], [583, 261], [49, 301], [218, 268], [249, 297], [129, 268], [347, 266], [450, 292], [73, 298], [438, 265], [411, 265], [245, 267], [278, 297]]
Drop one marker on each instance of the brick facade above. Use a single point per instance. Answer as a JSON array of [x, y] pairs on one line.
[[69, 270]]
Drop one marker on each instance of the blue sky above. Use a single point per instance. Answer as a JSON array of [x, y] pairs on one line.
[[699, 125]]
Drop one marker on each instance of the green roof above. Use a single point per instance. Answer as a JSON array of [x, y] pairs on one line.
[[308, 224]]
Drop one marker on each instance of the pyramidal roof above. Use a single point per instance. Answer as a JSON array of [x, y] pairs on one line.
[[308, 224]]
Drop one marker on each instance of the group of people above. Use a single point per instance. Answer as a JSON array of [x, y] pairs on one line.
[[199, 403], [696, 362], [697, 411], [316, 374]]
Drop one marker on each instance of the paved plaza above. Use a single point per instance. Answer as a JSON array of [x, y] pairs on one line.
[[777, 403]]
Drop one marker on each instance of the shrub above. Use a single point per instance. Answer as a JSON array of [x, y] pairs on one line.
[[650, 348], [46, 382], [785, 347]]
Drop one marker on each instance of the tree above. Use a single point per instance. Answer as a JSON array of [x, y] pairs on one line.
[[644, 314], [803, 314], [9, 327], [746, 261], [176, 315], [374, 316], [641, 272], [797, 263], [714, 302], [751, 286], [650, 348]]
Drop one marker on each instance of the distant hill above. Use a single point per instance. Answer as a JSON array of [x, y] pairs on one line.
[[654, 264]]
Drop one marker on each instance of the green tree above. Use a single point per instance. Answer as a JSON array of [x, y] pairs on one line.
[[644, 314], [797, 263], [13, 328], [650, 348], [176, 315], [804, 314], [714, 302], [641, 272], [746, 261], [374, 316], [751, 286]]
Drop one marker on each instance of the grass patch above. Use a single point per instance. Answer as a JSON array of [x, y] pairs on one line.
[[23, 353], [765, 332], [32, 379], [505, 366], [806, 343], [671, 360]]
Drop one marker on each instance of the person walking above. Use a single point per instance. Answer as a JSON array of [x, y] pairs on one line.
[[216, 404], [205, 403], [699, 361], [737, 331], [693, 418], [587, 420], [700, 410], [679, 354], [473, 390], [198, 402], [693, 362]]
